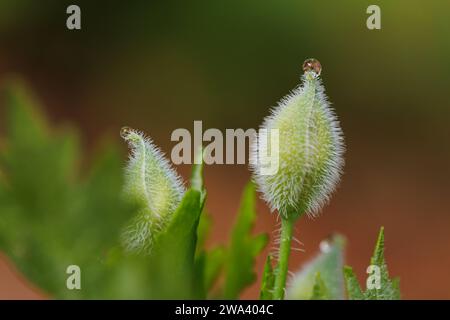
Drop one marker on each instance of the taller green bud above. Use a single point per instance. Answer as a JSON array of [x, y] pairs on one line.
[[311, 147]]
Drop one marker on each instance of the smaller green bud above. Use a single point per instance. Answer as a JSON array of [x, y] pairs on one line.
[[153, 185], [310, 149]]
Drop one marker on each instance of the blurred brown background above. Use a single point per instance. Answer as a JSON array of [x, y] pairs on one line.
[[158, 66]]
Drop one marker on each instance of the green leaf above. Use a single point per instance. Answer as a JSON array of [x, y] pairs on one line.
[[215, 259], [243, 248], [204, 225], [354, 291], [268, 281], [328, 263], [174, 264], [320, 291], [209, 262], [175, 250], [197, 182], [203, 229], [388, 288]]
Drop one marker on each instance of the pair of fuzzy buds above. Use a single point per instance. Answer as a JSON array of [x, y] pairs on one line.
[[310, 151]]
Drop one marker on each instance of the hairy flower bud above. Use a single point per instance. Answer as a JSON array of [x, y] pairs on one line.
[[310, 148], [151, 184]]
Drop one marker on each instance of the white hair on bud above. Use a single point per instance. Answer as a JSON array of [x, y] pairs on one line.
[[311, 148], [153, 185]]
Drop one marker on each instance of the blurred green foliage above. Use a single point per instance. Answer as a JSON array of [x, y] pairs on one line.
[[52, 215]]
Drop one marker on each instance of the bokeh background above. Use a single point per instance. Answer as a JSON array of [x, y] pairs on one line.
[[160, 65]]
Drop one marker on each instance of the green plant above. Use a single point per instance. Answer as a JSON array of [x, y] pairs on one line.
[[310, 156], [389, 288], [141, 235]]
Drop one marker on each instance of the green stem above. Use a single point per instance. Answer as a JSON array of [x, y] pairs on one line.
[[287, 226]]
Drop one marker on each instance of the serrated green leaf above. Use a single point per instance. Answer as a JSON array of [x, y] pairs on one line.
[[378, 253], [243, 248], [388, 288], [354, 291], [328, 263], [268, 281]]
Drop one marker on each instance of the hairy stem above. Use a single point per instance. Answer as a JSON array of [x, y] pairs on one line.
[[287, 226]]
